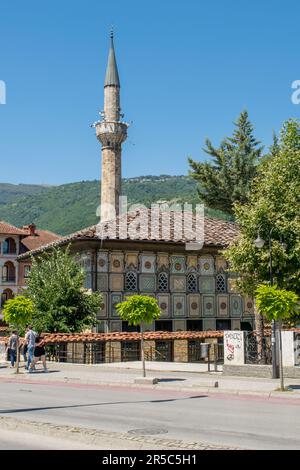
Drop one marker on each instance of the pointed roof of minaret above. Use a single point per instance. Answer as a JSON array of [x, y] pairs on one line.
[[112, 75]]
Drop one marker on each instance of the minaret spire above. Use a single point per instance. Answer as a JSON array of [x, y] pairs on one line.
[[111, 132], [112, 75]]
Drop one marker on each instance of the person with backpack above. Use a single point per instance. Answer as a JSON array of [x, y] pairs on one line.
[[39, 354], [12, 347]]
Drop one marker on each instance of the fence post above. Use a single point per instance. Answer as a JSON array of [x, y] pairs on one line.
[[216, 356]]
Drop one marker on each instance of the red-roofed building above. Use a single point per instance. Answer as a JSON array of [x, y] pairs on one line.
[[13, 242]]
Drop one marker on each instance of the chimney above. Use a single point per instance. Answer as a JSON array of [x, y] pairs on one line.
[[32, 228]]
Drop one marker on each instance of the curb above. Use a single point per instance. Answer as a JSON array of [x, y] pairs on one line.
[[212, 390]]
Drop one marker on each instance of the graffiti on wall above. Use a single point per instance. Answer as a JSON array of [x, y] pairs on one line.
[[233, 343]]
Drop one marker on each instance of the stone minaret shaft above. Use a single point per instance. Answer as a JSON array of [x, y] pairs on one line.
[[111, 132]]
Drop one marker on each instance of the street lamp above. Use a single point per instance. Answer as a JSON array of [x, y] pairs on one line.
[[259, 243]]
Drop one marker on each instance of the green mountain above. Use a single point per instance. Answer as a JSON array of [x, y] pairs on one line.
[[11, 193], [70, 207]]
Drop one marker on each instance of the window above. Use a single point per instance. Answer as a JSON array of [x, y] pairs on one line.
[[131, 281], [163, 282], [9, 247], [221, 283], [192, 282], [27, 269]]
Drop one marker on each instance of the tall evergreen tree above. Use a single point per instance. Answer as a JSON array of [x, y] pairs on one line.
[[227, 178]]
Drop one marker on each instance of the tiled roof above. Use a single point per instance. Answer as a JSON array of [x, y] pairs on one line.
[[41, 237], [217, 232], [124, 336], [9, 229]]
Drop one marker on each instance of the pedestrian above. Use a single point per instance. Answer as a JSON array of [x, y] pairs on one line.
[[30, 342], [39, 354], [24, 352], [12, 347]]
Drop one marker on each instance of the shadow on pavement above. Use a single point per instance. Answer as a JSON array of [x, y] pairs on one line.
[[171, 380], [24, 410]]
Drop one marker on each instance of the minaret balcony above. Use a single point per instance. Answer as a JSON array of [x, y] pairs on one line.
[[111, 132]]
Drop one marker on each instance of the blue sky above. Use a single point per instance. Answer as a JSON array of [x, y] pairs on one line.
[[187, 69]]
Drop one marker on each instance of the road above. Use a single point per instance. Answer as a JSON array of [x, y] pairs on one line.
[[246, 422]]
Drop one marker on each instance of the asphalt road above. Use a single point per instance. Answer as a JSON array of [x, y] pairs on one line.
[[246, 422]]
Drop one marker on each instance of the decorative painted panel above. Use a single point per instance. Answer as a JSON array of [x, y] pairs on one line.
[[206, 264], [102, 282], [209, 324], [116, 282], [115, 326], [248, 306], [102, 262], [194, 305], [236, 324], [114, 299], [148, 263], [178, 264], [88, 281], [206, 284], [223, 307], [116, 262], [85, 261], [103, 307], [162, 261], [164, 304], [179, 325], [131, 260], [178, 283], [209, 306], [192, 262], [147, 282], [149, 327], [179, 305], [221, 264], [236, 305]]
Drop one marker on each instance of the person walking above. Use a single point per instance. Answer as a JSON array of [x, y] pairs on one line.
[[39, 354], [30, 342], [12, 347]]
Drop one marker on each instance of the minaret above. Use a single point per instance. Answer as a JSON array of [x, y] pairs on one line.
[[111, 132]]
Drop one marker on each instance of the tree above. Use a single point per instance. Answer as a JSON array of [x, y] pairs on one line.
[[274, 205], [56, 288], [226, 180], [18, 313], [277, 304], [137, 310]]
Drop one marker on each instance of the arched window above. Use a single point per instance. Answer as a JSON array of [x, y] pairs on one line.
[[221, 283], [192, 282], [6, 295], [8, 272], [9, 247], [131, 281], [163, 282]]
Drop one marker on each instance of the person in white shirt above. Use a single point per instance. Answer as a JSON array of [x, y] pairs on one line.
[[30, 341]]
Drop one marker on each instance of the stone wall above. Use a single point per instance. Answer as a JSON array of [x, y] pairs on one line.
[[180, 350], [254, 370]]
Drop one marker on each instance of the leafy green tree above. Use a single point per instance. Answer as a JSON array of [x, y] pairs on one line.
[[273, 212], [137, 310], [18, 313], [277, 304], [227, 178], [56, 288]]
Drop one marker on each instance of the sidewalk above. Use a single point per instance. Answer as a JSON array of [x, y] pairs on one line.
[[172, 376]]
